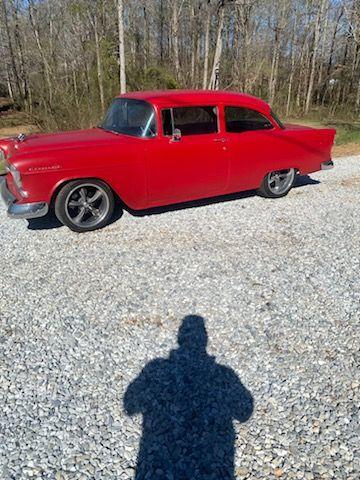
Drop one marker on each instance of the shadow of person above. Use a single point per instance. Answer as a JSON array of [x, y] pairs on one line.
[[188, 403]]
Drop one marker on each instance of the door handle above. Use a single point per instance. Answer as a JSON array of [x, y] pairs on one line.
[[221, 140]]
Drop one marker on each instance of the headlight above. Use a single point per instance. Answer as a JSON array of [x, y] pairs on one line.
[[2, 155]]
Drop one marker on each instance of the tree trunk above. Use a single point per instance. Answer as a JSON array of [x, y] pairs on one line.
[[319, 18], [147, 38], [214, 78], [207, 47], [274, 70], [162, 31], [194, 45], [23, 71], [299, 84], [175, 38], [75, 89], [46, 65], [319, 87], [122, 73], [100, 75], [276, 54], [357, 102], [292, 68], [9, 86], [243, 53], [11, 51]]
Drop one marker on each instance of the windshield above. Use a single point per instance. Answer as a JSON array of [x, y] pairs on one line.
[[277, 119], [130, 117]]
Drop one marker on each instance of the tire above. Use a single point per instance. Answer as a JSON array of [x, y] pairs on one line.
[[278, 183], [85, 205]]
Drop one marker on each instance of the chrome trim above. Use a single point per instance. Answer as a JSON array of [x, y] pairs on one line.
[[327, 165], [9, 168], [16, 175], [23, 193], [21, 210]]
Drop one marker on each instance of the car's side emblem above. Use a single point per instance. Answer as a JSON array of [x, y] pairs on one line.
[[46, 167]]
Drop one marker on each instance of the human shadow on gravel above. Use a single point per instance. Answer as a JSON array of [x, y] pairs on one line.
[[188, 403]]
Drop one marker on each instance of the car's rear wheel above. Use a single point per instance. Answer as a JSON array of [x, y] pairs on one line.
[[277, 183], [85, 205]]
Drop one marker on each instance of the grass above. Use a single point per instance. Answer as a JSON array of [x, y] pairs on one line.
[[13, 119], [348, 131]]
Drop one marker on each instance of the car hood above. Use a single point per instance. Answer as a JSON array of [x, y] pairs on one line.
[[37, 143]]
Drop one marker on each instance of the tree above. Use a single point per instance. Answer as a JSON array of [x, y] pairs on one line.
[[214, 78], [318, 23], [64, 60], [122, 74]]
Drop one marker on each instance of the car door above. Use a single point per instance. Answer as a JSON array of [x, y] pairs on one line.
[[192, 164], [249, 138]]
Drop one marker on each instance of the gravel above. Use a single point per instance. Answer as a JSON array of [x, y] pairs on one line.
[[89, 328]]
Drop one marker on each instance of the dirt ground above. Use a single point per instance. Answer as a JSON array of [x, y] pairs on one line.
[[14, 131], [344, 150]]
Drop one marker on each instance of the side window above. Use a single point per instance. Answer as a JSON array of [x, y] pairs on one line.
[[190, 120], [167, 122], [240, 119]]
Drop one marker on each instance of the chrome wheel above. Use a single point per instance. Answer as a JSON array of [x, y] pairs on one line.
[[280, 181], [87, 205]]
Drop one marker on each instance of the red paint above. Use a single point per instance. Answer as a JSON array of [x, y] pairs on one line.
[[147, 172]]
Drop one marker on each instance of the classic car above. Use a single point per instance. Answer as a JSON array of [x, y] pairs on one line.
[[155, 149]]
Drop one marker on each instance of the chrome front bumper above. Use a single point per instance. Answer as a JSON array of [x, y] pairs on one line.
[[21, 210], [327, 165]]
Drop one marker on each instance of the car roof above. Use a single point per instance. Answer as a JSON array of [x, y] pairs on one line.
[[178, 98]]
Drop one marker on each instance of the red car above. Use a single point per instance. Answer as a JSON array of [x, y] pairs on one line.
[[159, 148]]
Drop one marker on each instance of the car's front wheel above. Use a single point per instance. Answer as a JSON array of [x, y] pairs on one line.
[[85, 205], [277, 183]]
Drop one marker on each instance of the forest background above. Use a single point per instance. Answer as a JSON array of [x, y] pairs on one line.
[[64, 60]]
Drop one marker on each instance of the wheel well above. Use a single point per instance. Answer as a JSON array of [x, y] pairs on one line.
[[65, 182]]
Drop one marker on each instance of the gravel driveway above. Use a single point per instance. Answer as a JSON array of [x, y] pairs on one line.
[[94, 338]]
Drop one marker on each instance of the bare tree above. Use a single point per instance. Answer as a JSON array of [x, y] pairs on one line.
[[11, 51], [319, 19], [207, 43], [64, 60], [278, 30], [100, 75], [122, 74], [214, 78]]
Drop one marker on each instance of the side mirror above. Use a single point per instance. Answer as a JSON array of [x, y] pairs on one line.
[[176, 136]]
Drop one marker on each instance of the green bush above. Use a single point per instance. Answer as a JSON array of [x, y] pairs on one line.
[[153, 78]]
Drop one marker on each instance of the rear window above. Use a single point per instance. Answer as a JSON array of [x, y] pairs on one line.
[[190, 120], [241, 119]]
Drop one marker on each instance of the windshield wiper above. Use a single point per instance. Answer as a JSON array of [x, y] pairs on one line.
[[106, 129]]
